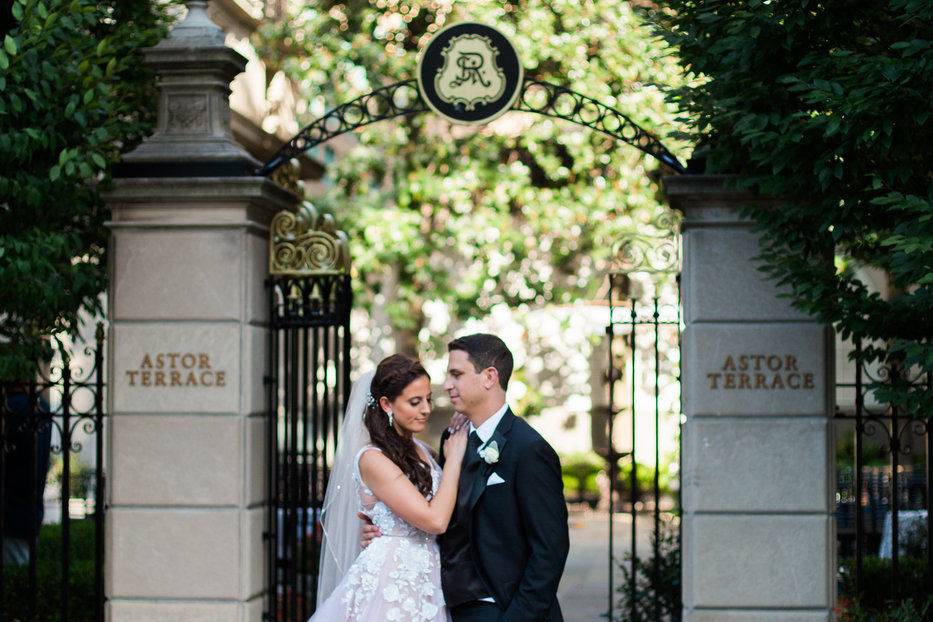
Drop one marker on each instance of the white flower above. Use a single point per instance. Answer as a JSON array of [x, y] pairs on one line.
[[394, 614], [390, 593], [428, 611], [490, 453]]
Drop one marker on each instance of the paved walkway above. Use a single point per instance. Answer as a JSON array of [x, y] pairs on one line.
[[584, 590]]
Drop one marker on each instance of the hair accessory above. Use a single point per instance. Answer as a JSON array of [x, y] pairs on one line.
[[370, 400]]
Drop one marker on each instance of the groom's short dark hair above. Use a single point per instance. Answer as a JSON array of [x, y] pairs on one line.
[[485, 351]]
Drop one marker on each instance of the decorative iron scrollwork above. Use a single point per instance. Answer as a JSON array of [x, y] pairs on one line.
[[544, 98], [557, 101], [401, 98], [307, 244], [651, 254]]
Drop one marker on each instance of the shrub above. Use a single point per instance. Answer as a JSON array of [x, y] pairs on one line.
[[654, 577], [876, 592], [74, 96], [579, 473], [82, 590], [906, 611]]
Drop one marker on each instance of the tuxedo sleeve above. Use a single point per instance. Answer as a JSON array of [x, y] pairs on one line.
[[539, 491]]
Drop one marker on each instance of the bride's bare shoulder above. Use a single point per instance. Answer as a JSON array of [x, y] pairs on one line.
[[372, 461]]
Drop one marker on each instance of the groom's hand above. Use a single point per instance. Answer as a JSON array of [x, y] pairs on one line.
[[370, 532]]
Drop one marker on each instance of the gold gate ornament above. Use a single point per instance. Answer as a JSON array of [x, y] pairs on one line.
[[307, 244]]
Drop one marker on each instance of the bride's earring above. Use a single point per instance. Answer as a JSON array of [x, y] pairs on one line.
[[391, 417]]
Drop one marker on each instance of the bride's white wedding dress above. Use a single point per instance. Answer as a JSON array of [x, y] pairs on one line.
[[397, 578]]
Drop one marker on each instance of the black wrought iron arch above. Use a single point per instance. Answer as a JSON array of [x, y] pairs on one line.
[[404, 99]]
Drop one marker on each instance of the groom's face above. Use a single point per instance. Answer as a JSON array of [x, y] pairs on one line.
[[464, 384]]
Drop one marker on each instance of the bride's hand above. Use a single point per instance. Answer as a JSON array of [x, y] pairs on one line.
[[458, 421], [455, 445]]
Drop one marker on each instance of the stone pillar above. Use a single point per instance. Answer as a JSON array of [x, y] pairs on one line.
[[757, 387], [188, 339]]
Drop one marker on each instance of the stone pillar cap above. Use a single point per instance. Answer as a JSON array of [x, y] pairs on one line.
[[196, 30], [192, 135], [195, 44]]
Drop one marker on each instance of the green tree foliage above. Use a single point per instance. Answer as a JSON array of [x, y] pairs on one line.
[[827, 106], [74, 95], [523, 211]]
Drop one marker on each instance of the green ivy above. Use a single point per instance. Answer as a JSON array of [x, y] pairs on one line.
[[74, 96], [826, 106]]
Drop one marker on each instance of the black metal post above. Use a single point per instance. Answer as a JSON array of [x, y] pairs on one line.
[[4, 414], [315, 430], [287, 527], [657, 465], [611, 457], [305, 483], [325, 404], [929, 499], [633, 580], [928, 427], [99, 499], [895, 491], [859, 430], [294, 489], [65, 433], [270, 414], [348, 289], [33, 423], [680, 424]]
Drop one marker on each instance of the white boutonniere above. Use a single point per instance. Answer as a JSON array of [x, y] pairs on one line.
[[490, 453]]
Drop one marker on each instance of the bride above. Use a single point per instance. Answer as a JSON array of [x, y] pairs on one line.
[[381, 470]]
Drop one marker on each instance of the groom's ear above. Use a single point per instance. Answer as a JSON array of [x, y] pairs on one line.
[[490, 378]]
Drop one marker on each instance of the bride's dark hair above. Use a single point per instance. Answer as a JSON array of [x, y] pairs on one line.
[[393, 375]]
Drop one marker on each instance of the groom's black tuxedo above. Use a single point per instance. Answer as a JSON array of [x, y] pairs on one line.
[[508, 540]]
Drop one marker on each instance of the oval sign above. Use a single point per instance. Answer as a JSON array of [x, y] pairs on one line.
[[470, 73]]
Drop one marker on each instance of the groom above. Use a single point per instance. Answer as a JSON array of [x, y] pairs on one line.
[[504, 551]]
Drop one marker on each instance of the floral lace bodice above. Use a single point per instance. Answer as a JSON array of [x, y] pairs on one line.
[[385, 519], [397, 577]]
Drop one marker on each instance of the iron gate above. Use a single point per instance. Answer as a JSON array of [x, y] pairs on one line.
[[644, 409], [308, 385], [52, 491]]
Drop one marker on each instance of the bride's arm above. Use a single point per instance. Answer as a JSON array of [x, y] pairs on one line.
[[392, 487]]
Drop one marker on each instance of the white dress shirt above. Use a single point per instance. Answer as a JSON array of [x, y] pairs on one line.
[[488, 427], [485, 432]]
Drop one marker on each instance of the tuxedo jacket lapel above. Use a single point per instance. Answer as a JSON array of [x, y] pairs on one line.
[[478, 484], [469, 472]]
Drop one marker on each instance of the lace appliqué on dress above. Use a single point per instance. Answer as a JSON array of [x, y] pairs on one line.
[[405, 554]]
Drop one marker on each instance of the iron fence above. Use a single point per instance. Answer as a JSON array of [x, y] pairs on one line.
[[883, 489], [51, 441]]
